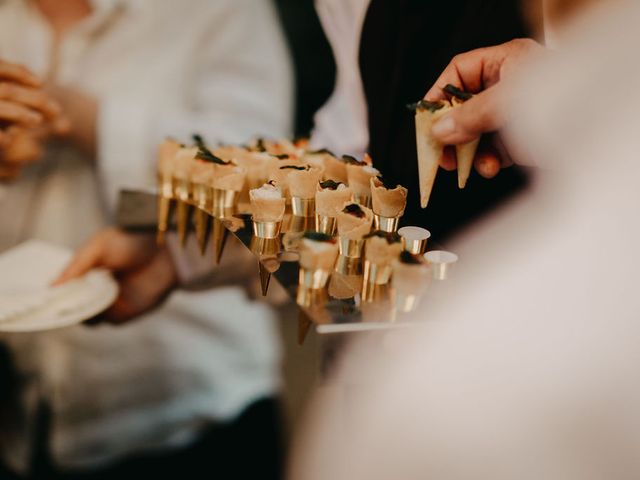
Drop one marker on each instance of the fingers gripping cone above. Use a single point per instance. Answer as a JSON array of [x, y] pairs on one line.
[[203, 229]]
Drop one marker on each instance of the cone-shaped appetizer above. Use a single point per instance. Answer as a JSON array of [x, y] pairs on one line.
[[267, 206], [388, 202], [359, 175], [429, 150], [466, 151], [380, 250], [318, 255], [411, 277], [354, 222], [332, 167], [303, 183], [330, 199]]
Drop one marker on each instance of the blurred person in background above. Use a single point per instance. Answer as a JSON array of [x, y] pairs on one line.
[[191, 387], [532, 373]]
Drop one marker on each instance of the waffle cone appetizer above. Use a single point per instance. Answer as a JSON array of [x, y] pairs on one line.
[[359, 175], [467, 151], [331, 197], [354, 221], [318, 252], [382, 248], [267, 203], [429, 150], [388, 201], [303, 181]]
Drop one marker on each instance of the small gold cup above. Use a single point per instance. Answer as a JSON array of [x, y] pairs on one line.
[[385, 224], [313, 278], [348, 265], [202, 196], [414, 239], [374, 274], [299, 224], [311, 297], [303, 207], [325, 224], [265, 246], [182, 189], [223, 202], [364, 200], [350, 248], [267, 229]]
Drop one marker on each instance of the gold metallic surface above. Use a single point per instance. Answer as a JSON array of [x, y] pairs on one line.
[[313, 278], [326, 224], [303, 207], [350, 248], [385, 224], [266, 229]]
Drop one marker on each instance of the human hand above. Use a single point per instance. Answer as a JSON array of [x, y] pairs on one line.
[[22, 100], [482, 72], [144, 271]]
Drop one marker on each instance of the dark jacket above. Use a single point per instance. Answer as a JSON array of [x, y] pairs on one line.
[[405, 45]]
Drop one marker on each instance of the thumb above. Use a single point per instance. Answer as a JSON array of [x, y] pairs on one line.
[[481, 114], [86, 259]]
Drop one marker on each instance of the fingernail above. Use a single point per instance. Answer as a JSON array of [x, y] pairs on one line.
[[443, 127]]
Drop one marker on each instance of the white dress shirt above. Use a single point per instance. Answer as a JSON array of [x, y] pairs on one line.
[[341, 124], [158, 68]]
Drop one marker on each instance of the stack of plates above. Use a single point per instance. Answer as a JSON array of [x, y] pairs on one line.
[[27, 301]]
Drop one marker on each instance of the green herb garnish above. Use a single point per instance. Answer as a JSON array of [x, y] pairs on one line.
[[293, 167], [385, 184], [410, 259], [321, 151], [348, 159], [260, 145], [330, 185], [318, 237], [355, 210], [206, 155], [426, 105], [390, 237], [199, 141], [456, 92]]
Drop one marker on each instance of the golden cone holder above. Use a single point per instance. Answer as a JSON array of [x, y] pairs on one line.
[[203, 229], [303, 207], [311, 297], [374, 274], [267, 229], [385, 224], [350, 248], [364, 200], [348, 265], [313, 278], [325, 224], [406, 302], [265, 278], [164, 218]]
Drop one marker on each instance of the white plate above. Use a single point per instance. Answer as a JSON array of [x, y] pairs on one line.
[[29, 304]]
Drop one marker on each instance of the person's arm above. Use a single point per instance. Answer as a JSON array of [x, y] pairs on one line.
[[484, 72]]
